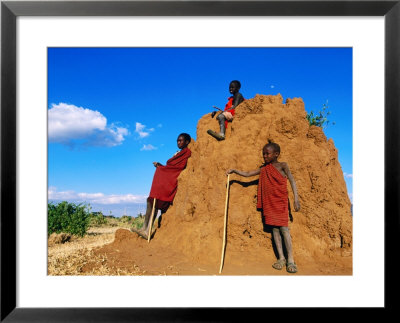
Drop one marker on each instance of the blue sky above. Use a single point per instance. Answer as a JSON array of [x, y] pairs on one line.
[[113, 111]]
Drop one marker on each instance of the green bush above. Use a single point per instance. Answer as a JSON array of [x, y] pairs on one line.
[[320, 119], [68, 217], [126, 219], [97, 219], [138, 221]]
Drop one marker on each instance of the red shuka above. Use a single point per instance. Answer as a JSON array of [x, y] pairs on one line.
[[228, 106], [165, 180], [272, 196]]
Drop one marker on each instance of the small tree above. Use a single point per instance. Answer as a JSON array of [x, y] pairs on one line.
[[68, 217], [97, 219], [320, 119]]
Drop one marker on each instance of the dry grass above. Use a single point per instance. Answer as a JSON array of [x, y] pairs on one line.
[[70, 257]]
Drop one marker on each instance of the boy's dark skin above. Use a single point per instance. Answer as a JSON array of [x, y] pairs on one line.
[[271, 157], [182, 143], [234, 88]]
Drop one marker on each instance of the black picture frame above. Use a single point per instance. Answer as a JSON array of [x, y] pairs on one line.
[[10, 10]]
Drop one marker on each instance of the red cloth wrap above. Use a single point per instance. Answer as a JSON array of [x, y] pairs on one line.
[[272, 196], [228, 106], [165, 180]]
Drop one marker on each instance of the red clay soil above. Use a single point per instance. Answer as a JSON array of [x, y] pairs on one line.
[[189, 240]]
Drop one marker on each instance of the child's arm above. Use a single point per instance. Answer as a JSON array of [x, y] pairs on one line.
[[241, 173], [286, 169], [236, 101], [156, 164]]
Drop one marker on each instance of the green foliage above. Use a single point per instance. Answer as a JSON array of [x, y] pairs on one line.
[[97, 219], [138, 221], [320, 119], [126, 219], [68, 217]]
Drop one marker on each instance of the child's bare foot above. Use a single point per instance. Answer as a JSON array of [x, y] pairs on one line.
[[279, 264]]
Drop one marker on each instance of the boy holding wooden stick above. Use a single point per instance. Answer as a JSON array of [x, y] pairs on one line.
[[272, 198], [165, 183]]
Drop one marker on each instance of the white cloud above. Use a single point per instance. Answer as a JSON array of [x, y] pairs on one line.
[[94, 198], [111, 136], [142, 131], [148, 147], [70, 125], [54, 195], [348, 175], [272, 86]]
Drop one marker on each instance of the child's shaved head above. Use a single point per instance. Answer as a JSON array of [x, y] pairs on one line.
[[273, 145], [186, 136], [237, 83]]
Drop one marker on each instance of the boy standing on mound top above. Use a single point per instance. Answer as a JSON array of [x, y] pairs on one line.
[[272, 198], [227, 115]]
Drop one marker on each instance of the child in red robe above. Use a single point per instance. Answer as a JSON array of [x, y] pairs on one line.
[[272, 198], [229, 111], [165, 182]]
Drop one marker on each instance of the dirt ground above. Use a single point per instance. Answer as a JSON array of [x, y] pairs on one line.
[[71, 257], [117, 251]]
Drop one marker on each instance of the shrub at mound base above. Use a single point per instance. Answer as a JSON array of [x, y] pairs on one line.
[[194, 223]]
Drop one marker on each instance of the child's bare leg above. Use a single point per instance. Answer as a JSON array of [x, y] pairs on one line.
[[288, 242], [147, 216], [145, 228], [278, 243], [291, 266], [221, 120]]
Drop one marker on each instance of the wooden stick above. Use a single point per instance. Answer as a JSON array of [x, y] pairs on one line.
[[225, 225], [151, 220]]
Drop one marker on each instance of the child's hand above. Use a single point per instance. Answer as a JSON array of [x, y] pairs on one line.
[[229, 171], [296, 205], [156, 164]]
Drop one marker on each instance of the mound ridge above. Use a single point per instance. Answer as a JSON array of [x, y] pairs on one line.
[[193, 225]]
